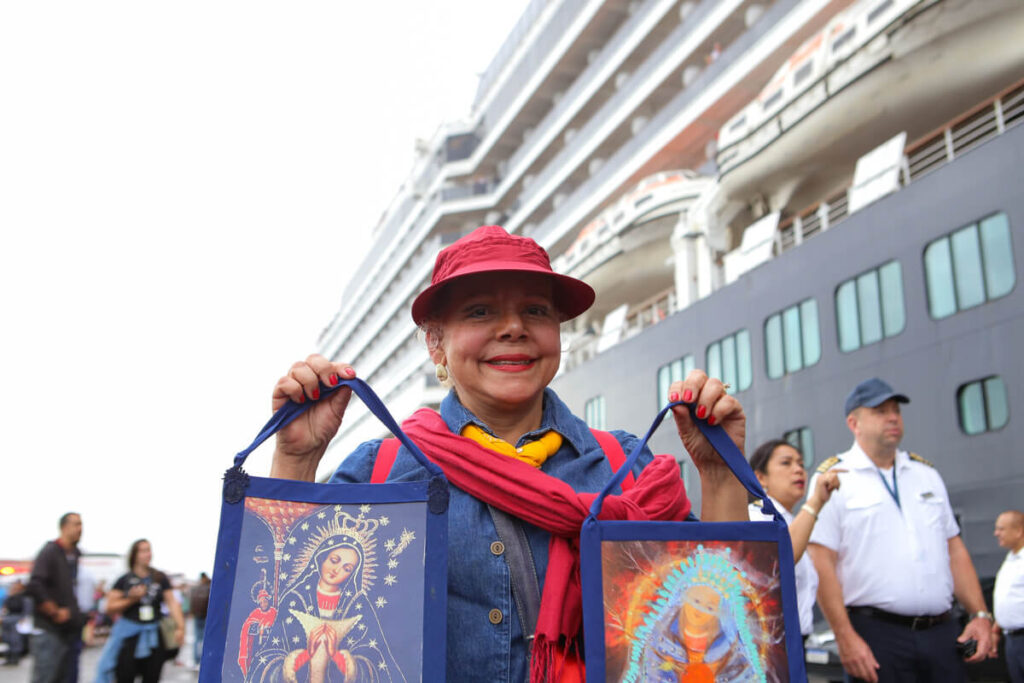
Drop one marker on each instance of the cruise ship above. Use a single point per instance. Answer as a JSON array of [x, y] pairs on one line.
[[793, 195]]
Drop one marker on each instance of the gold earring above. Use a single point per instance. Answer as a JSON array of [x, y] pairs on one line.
[[441, 372]]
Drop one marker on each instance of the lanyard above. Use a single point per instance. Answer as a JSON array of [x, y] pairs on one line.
[[893, 490]]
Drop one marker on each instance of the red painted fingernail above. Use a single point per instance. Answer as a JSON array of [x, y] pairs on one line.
[[673, 397], [315, 394], [687, 396], [712, 420], [302, 398], [701, 412], [350, 372], [333, 380]]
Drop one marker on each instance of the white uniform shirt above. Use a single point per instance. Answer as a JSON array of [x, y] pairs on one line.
[[895, 558], [1008, 595], [806, 576]]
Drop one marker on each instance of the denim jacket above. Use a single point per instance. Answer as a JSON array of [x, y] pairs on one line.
[[478, 580]]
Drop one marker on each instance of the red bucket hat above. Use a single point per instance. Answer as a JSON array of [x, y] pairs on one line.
[[489, 249]]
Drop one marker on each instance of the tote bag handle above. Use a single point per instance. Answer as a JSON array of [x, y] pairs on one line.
[[291, 410], [719, 440]]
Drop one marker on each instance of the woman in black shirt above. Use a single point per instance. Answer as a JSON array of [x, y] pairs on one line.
[[138, 596]]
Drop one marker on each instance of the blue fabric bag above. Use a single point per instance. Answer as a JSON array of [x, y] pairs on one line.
[[329, 582], [690, 601]]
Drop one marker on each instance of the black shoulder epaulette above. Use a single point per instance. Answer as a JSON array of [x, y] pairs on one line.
[[917, 458], [828, 464]]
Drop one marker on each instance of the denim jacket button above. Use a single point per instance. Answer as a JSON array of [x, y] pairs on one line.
[[495, 616], [497, 548]]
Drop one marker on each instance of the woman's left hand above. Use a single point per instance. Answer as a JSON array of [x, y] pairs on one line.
[[715, 407]]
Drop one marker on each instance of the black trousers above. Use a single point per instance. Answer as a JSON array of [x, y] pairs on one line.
[[129, 668], [1014, 647], [906, 656]]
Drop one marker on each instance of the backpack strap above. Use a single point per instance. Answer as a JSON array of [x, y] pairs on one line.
[[613, 451], [386, 454]]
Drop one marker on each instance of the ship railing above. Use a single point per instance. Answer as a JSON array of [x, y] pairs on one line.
[[407, 256], [473, 188], [617, 110], [816, 218], [965, 132], [650, 312], [533, 147], [553, 226], [508, 48], [641, 316], [390, 304], [530, 64], [388, 234], [929, 152]]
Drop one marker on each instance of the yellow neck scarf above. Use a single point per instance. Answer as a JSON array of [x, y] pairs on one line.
[[533, 453]]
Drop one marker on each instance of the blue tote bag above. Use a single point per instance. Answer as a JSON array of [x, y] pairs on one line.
[[329, 582], [690, 601]]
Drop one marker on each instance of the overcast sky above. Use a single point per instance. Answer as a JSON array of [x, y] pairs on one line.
[[184, 189]]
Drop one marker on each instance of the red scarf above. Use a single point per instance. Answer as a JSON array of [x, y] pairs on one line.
[[552, 505]]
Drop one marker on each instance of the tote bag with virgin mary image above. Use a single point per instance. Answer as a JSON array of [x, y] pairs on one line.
[[328, 582], [694, 602]]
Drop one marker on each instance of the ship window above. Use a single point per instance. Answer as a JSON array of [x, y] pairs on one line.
[[802, 440], [729, 360], [982, 405], [803, 72], [842, 40], [791, 339], [738, 123], [772, 100], [676, 371], [594, 414], [879, 11], [969, 267], [869, 307]]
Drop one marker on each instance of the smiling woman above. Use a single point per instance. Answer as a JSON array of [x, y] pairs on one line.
[[523, 468]]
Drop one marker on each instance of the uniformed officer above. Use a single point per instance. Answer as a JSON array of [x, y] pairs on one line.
[[889, 556], [1008, 595]]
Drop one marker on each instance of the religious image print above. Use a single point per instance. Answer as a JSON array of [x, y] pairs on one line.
[[327, 593], [693, 611]]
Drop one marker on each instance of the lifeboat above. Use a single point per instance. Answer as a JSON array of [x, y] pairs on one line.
[[625, 252], [879, 68]]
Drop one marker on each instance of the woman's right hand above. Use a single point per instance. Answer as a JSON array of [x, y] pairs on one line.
[[303, 442], [823, 488]]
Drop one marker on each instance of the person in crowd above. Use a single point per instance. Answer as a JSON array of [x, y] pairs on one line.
[[1008, 595], [779, 468], [16, 606], [101, 621], [58, 619], [890, 558], [199, 600], [491, 320], [136, 647], [85, 586]]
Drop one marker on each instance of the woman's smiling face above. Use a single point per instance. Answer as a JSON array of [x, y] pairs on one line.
[[500, 339], [338, 566]]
